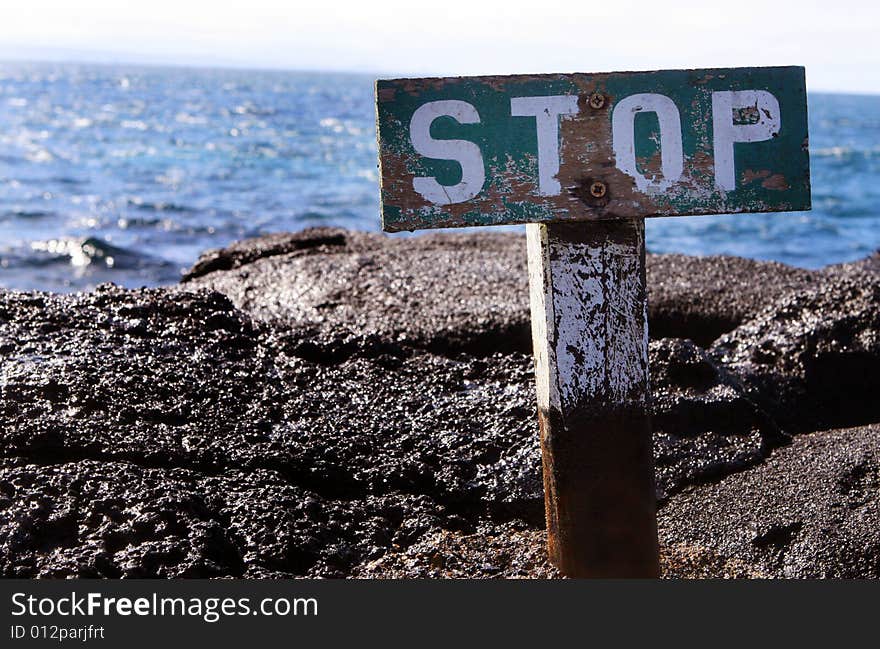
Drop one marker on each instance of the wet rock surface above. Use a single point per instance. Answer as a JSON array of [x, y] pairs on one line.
[[705, 423], [869, 265], [466, 292], [813, 356], [701, 298], [113, 519], [228, 409], [329, 403], [810, 510], [447, 292]]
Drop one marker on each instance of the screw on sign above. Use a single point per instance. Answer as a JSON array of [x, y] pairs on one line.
[[583, 159]]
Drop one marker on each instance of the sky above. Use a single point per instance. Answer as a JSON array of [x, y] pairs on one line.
[[836, 41]]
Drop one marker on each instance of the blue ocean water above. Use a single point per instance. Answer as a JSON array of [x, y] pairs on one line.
[[126, 174]]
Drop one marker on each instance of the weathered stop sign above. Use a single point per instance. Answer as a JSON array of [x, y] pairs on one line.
[[527, 149], [556, 152]]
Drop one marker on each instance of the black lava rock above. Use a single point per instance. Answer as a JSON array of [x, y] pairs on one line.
[[330, 403]]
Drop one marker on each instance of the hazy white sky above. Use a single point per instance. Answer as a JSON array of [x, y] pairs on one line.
[[836, 40]]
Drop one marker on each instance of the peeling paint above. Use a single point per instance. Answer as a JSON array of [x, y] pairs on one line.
[[509, 147], [589, 318]]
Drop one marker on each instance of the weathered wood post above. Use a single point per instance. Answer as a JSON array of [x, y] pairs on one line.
[[583, 159], [590, 331]]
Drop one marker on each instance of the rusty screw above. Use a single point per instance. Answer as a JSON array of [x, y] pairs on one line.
[[598, 189], [597, 100]]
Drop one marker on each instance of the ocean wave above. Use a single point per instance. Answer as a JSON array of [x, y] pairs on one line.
[[158, 206], [72, 264], [251, 109], [844, 152], [85, 252], [66, 180], [25, 214]]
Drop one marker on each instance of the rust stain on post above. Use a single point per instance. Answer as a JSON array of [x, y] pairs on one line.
[[589, 323]]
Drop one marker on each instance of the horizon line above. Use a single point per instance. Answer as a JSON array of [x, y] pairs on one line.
[[232, 66]]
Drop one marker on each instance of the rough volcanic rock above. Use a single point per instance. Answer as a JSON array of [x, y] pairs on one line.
[[869, 265], [114, 519], [811, 510], [705, 424], [702, 298], [233, 415], [155, 377], [445, 292], [104, 519], [494, 551], [220, 393], [320, 417], [462, 431], [683, 561], [513, 552], [462, 292], [241, 253], [813, 355]]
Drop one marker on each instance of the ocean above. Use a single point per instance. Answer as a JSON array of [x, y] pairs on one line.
[[125, 174]]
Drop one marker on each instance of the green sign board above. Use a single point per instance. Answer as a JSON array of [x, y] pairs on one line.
[[576, 147]]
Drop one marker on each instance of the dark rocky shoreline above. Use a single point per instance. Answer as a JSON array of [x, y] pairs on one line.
[[330, 403]]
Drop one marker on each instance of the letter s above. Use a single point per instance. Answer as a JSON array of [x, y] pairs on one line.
[[16, 600], [467, 154]]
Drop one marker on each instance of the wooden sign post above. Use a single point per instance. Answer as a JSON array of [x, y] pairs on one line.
[[583, 159]]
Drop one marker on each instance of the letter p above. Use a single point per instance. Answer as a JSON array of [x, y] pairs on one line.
[[725, 132]]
